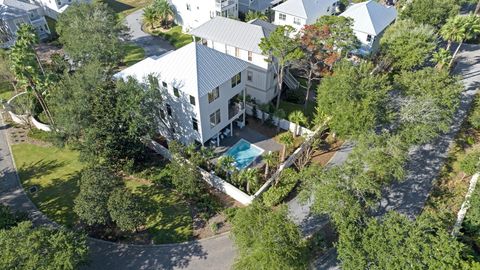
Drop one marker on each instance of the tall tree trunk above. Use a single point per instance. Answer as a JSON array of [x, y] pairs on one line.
[[449, 44], [309, 85], [284, 152], [266, 170], [477, 8], [248, 187], [455, 54], [296, 130], [280, 82]]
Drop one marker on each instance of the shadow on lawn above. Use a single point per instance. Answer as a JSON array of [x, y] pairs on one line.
[[39, 168], [118, 6]]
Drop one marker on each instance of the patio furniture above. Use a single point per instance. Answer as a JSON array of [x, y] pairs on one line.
[[227, 132], [240, 124]]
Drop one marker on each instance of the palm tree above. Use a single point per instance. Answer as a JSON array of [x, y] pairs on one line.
[[270, 159], [279, 114], [287, 140], [149, 16], [226, 164], [460, 28], [250, 177], [298, 118], [253, 15], [442, 57], [163, 10]]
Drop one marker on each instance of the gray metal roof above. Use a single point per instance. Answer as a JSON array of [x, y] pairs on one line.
[[310, 10], [19, 5], [370, 17], [194, 69], [235, 33]]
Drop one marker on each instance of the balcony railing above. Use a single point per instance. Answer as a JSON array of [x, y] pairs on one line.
[[222, 4], [234, 109]]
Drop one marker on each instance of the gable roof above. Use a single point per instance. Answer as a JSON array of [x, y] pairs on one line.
[[235, 33], [15, 8], [194, 69], [370, 17], [310, 10]]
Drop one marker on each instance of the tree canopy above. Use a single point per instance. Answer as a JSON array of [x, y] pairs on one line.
[[395, 242], [407, 44], [430, 12], [42, 248], [126, 209], [354, 98], [267, 239], [91, 32]]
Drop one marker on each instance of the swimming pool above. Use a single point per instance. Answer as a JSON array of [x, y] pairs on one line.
[[244, 153]]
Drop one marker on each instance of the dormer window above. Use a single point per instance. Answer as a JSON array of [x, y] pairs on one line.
[[282, 16]]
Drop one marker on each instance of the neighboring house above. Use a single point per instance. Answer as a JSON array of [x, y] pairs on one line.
[[370, 19], [263, 6], [241, 40], [205, 91], [53, 8], [193, 13], [14, 13], [298, 13]]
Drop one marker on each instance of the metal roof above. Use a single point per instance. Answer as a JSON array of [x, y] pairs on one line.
[[235, 33], [194, 69], [310, 10], [370, 17], [14, 9]]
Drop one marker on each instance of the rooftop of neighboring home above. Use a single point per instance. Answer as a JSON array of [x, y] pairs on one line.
[[14, 8], [259, 5], [306, 9], [370, 17], [195, 69], [235, 33]]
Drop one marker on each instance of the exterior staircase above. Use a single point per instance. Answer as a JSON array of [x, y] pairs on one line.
[[290, 80]]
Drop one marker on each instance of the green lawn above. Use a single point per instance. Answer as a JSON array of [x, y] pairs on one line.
[[133, 54], [6, 91], [125, 7], [175, 36], [289, 107], [55, 171]]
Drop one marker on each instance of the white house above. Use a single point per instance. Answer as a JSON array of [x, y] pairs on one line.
[[14, 13], [193, 13], [370, 19], [298, 13], [53, 8], [205, 90], [241, 40]]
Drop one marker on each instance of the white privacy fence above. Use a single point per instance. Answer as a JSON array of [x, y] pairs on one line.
[[213, 180], [282, 123], [24, 119]]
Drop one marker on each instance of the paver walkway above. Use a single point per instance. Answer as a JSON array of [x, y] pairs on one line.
[[151, 44]]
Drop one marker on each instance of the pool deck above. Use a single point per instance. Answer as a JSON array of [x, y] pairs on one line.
[[253, 137]]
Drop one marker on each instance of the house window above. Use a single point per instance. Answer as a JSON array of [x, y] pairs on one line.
[[369, 38], [214, 119], [195, 123], [192, 100], [296, 21], [237, 52], [282, 16], [164, 84], [249, 76], [236, 79], [188, 7], [169, 109], [249, 56], [213, 95], [175, 92]]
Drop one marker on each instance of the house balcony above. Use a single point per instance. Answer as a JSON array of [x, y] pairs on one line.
[[235, 109], [223, 5]]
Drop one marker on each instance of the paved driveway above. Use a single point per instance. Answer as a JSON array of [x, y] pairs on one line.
[[151, 44]]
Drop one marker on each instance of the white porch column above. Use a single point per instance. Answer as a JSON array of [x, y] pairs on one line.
[[218, 139], [231, 129], [244, 105]]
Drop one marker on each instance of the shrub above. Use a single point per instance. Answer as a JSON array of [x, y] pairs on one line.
[[470, 164], [214, 226], [474, 118], [275, 195], [230, 213]]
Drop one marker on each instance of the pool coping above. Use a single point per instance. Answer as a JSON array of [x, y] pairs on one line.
[[239, 141]]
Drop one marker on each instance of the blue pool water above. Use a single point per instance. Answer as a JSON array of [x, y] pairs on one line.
[[244, 153]]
